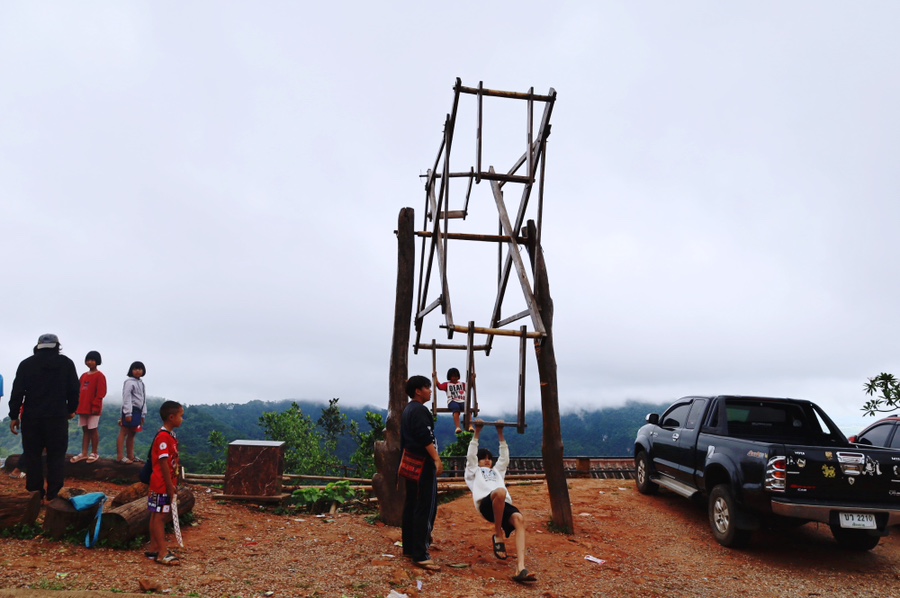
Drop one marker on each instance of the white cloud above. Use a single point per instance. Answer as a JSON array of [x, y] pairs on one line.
[[213, 189]]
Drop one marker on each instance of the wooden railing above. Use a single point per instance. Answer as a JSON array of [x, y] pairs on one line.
[[576, 467], [520, 468]]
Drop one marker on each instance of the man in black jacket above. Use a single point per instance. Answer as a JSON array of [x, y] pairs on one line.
[[47, 384], [417, 440]]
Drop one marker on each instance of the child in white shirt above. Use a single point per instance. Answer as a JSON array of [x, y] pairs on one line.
[[493, 501]]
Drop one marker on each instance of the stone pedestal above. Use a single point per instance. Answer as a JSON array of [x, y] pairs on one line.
[[254, 468]]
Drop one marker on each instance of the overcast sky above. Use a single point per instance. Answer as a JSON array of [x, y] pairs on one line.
[[212, 188]]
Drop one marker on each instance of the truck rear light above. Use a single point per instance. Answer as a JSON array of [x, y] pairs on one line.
[[776, 474]]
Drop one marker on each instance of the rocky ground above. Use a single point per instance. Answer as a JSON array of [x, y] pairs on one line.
[[650, 546]]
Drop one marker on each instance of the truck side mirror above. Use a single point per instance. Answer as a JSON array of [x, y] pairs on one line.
[[653, 418]]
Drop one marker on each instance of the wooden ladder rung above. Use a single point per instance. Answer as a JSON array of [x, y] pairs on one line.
[[447, 410]]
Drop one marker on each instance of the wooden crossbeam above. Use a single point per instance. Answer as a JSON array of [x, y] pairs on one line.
[[484, 176], [512, 95], [471, 237], [513, 318], [513, 252], [498, 331], [433, 345]]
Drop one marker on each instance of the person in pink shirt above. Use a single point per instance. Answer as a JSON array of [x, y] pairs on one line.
[[90, 405]]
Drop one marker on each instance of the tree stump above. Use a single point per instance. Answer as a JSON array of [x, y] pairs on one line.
[[255, 468], [19, 509], [391, 495], [61, 518], [131, 520]]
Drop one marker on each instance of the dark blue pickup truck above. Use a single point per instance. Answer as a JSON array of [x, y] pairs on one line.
[[762, 460]]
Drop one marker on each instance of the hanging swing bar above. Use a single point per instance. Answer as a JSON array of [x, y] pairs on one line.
[[495, 331], [451, 347]]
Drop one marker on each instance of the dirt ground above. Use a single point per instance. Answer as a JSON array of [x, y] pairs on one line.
[[651, 546]]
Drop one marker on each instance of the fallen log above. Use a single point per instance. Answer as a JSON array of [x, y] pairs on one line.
[[132, 493], [61, 518], [131, 520], [19, 509], [102, 469]]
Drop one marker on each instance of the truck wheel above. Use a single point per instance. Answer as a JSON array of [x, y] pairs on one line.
[[642, 474], [723, 513], [854, 539]]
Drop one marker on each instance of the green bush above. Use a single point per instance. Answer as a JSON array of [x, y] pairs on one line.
[[319, 499]]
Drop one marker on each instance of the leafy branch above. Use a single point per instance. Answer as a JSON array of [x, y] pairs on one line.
[[888, 400]]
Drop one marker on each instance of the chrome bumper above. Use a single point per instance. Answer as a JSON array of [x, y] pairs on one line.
[[822, 512]]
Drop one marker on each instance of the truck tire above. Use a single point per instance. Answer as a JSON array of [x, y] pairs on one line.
[[723, 515], [642, 474], [854, 539]]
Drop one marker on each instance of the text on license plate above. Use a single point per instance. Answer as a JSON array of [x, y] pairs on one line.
[[858, 520]]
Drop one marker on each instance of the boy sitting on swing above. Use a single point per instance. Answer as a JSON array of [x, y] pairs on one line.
[[492, 500]]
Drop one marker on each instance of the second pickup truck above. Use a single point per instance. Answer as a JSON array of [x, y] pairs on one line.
[[760, 460]]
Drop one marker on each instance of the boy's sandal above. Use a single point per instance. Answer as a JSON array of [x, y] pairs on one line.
[[170, 560], [428, 565], [151, 555], [459, 430], [524, 576], [92, 457], [127, 461], [77, 458], [17, 476], [499, 548], [137, 460]]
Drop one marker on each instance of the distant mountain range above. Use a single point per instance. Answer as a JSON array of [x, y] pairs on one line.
[[605, 432]]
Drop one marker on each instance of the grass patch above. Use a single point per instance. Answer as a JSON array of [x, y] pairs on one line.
[[49, 584], [555, 529], [21, 532], [373, 519]]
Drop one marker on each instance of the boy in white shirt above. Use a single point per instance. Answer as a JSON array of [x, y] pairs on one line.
[[493, 501]]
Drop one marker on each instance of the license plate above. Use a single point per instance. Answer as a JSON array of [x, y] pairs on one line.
[[858, 520]]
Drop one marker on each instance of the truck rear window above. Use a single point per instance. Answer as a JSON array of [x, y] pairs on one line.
[[771, 420]]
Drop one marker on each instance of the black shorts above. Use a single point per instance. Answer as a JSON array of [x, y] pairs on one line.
[[456, 406], [486, 508]]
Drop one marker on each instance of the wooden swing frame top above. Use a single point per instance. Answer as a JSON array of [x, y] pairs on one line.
[[435, 235]]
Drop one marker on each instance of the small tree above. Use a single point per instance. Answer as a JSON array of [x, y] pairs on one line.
[[364, 457], [305, 450], [218, 444], [460, 448], [888, 400]]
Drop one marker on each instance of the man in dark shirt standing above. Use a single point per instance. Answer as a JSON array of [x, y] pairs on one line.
[[420, 508], [48, 385]]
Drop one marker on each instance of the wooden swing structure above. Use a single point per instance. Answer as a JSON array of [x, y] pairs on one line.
[[514, 233], [434, 246]]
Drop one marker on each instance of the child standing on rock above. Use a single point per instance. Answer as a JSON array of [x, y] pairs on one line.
[[90, 405], [134, 411]]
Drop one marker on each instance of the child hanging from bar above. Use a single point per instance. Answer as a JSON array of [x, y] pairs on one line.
[[486, 481], [456, 395]]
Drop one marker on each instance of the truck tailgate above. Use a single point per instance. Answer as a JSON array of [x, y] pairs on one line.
[[858, 475]]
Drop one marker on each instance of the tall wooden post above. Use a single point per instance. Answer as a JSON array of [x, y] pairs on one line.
[[387, 452], [552, 448]]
